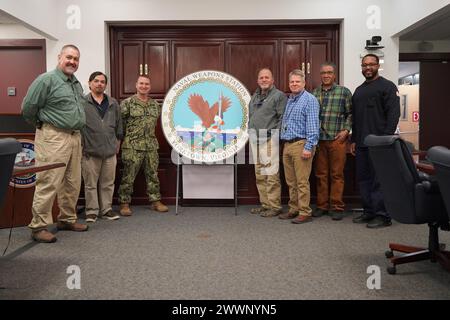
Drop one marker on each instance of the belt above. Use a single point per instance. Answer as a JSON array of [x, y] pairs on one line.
[[293, 140]]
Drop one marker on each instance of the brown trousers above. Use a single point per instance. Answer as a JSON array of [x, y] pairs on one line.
[[329, 169]]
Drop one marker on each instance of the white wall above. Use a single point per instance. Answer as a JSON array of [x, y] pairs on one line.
[[91, 37]]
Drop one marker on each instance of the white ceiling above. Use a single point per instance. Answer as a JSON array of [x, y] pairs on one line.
[[433, 27], [6, 18]]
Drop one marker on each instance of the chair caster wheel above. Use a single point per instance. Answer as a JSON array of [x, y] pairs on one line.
[[389, 254], [392, 270]]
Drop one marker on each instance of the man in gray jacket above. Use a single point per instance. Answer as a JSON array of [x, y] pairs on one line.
[[101, 142], [266, 110]]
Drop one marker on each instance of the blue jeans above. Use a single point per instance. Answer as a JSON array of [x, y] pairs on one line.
[[369, 187]]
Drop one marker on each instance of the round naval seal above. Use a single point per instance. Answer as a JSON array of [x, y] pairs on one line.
[[25, 158], [205, 116]]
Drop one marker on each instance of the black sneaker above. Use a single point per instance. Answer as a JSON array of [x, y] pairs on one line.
[[363, 218], [111, 215], [319, 212], [337, 215], [91, 217], [379, 222]]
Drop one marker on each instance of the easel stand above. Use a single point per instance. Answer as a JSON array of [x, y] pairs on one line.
[[179, 164]]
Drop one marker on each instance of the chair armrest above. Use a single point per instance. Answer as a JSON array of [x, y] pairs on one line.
[[430, 185]]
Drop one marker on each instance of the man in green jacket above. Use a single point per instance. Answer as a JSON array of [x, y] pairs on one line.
[[54, 105]]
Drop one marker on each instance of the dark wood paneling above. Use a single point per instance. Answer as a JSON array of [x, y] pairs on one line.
[[293, 56], [194, 56], [318, 51], [434, 105], [156, 60], [130, 60], [245, 58]]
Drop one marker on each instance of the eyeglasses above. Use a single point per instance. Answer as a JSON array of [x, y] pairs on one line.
[[369, 65], [326, 72]]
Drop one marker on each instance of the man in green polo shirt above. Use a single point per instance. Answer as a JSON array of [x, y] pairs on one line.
[[335, 124], [54, 105]]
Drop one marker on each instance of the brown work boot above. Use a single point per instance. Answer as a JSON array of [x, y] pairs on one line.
[[125, 210], [67, 226], [159, 206], [288, 215], [43, 236]]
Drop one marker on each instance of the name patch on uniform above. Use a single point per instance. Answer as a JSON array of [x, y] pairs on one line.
[[205, 116]]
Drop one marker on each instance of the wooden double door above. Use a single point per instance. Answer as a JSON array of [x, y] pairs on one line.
[[168, 53]]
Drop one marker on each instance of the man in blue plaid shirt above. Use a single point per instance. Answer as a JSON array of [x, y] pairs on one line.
[[300, 134]]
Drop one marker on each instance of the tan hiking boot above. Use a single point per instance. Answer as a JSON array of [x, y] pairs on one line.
[[43, 236], [159, 206], [125, 210]]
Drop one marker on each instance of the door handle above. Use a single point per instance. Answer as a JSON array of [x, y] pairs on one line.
[[303, 67], [140, 69], [146, 70], [308, 68]]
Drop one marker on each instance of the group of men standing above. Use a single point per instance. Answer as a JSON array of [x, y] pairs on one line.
[[85, 133], [317, 126]]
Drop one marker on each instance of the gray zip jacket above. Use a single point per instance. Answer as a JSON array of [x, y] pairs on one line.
[[100, 135], [266, 111]]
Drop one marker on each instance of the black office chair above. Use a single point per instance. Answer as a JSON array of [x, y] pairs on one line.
[[9, 148], [410, 197], [440, 158]]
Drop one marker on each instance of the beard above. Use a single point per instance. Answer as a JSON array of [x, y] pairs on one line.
[[372, 75]]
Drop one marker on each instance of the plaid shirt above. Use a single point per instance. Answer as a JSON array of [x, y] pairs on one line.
[[335, 110], [301, 119]]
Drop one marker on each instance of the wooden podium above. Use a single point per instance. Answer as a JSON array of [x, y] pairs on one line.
[[16, 211]]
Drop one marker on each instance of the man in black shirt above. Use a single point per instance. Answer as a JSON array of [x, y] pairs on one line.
[[376, 110]]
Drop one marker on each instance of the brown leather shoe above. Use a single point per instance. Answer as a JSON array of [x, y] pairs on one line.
[[43, 236], [288, 215], [159, 206], [125, 210], [302, 219], [67, 226]]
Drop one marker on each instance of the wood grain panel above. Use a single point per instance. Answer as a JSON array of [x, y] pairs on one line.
[[190, 57], [130, 57], [292, 57], [245, 58]]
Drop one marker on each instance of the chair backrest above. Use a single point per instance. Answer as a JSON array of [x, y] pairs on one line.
[[9, 148], [440, 158], [397, 175]]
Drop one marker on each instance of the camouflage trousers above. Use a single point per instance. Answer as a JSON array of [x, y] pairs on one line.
[[132, 161]]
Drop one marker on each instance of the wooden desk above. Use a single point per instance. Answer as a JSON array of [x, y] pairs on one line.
[[20, 200], [425, 167], [33, 169]]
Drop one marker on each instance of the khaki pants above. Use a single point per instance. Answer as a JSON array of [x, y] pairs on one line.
[[98, 176], [329, 168], [297, 171], [266, 157], [56, 145]]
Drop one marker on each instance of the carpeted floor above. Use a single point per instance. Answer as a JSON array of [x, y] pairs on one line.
[[210, 253]]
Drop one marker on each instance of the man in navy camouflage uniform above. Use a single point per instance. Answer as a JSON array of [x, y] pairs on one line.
[[140, 146]]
